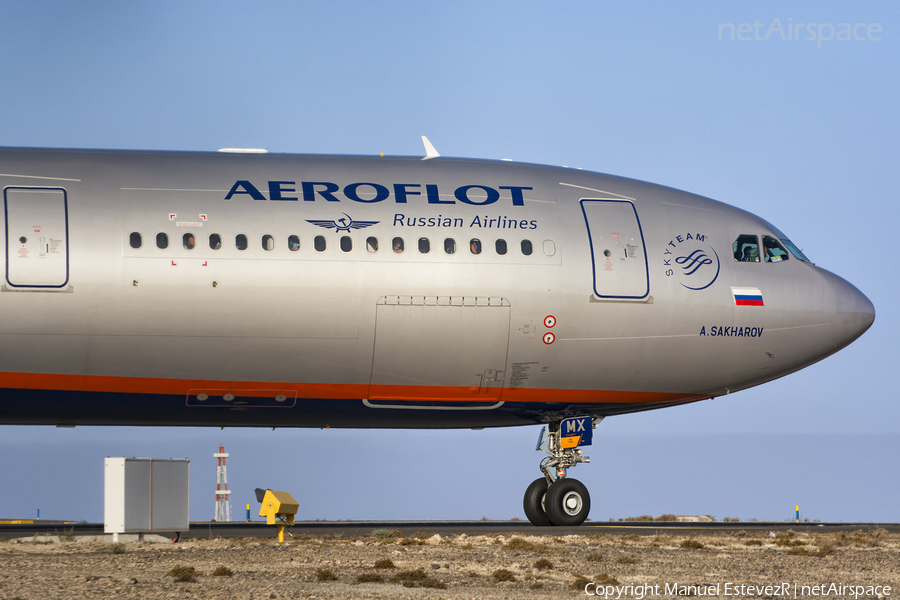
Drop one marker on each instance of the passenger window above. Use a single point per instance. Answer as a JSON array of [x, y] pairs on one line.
[[240, 241], [215, 241], [527, 248], [293, 243], [268, 243], [319, 243], [500, 247], [188, 241], [424, 246], [162, 241], [549, 247], [372, 244], [397, 244], [346, 243], [450, 246], [135, 239], [475, 246], [746, 248], [774, 251]]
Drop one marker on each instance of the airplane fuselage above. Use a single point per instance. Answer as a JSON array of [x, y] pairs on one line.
[[163, 288]]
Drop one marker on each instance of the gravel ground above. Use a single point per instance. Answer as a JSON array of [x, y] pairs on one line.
[[389, 566]]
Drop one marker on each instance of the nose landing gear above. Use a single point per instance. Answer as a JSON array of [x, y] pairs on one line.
[[553, 499]]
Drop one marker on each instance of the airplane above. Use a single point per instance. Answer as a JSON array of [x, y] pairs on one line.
[[249, 289]]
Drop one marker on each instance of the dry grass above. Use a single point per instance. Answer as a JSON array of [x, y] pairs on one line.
[[385, 563], [753, 543], [326, 575], [579, 584], [369, 578], [862, 539], [786, 539], [605, 579], [411, 542], [118, 549], [503, 575], [223, 571], [542, 564], [183, 573], [519, 545], [417, 579]]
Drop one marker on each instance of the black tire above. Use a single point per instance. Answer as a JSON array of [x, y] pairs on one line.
[[534, 503], [567, 502]]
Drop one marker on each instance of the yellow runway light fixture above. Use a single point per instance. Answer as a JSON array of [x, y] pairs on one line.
[[278, 508]]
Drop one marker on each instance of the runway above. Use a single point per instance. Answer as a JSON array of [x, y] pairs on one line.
[[238, 529]]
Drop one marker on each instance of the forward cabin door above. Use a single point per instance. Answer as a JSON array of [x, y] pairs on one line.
[[37, 237], [618, 253]]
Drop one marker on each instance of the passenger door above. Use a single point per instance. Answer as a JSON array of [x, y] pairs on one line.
[[618, 253], [37, 237]]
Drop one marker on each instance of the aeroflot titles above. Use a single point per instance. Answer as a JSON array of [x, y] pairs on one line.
[[476, 195]]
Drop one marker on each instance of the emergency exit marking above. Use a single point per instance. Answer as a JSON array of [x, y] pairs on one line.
[[202, 217], [549, 338], [172, 216], [549, 321]]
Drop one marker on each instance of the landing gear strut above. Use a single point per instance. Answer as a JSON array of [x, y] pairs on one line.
[[553, 499]]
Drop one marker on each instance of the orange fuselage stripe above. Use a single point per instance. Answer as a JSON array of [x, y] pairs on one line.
[[180, 387]]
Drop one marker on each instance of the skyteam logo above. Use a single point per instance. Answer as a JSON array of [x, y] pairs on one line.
[[343, 224], [694, 262]]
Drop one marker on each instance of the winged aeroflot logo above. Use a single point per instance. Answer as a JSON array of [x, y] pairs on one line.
[[343, 224]]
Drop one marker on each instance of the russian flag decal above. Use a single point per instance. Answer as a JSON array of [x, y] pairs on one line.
[[747, 296]]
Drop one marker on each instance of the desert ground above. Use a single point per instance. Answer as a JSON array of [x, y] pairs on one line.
[[387, 565]]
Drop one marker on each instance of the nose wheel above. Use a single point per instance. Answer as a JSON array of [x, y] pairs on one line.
[[553, 499], [534, 504], [564, 502], [567, 502]]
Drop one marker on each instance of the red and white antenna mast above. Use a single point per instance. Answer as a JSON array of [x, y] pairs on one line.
[[223, 494]]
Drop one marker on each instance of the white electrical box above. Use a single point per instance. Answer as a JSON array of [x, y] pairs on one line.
[[144, 495]]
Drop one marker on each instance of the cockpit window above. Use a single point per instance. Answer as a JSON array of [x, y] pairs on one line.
[[746, 248], [773, 250], [795, 250]]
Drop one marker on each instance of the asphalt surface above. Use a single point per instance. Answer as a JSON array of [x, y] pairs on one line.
[[445, 528]]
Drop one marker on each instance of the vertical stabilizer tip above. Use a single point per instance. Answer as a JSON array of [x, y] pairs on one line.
[[430, 152]]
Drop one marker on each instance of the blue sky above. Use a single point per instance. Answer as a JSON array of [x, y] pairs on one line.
[[801, 133]]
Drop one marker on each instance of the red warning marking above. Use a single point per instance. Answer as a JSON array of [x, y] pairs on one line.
[[549, 321], [172, 216], [202, 217], [174, 264], [549, 338], [204, 263]]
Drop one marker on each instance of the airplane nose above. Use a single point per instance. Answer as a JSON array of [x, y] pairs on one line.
[[853, 312]]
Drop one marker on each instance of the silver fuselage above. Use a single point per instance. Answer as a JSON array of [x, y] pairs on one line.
[[631, 298]]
